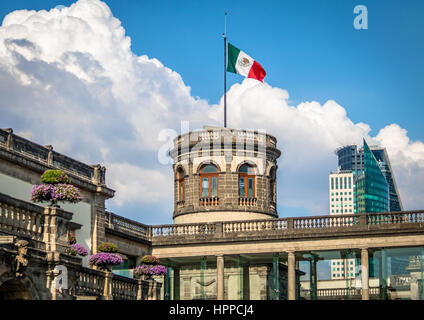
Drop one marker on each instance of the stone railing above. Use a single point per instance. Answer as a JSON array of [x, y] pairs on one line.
[[223, 137], [209, 201], [393, 218], [248, 202], [90, 282], [170, 230], [254, 225], [338, 293], [293, 226], [180, 204], [124, 288], [48, 158], [22, 219], [126, 226]]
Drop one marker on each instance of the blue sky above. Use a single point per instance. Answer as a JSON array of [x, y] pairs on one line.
[[309, 48]]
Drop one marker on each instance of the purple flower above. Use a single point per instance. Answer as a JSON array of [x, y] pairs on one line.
[[104, 259], [149, 270], [79, 249], [54, 193]]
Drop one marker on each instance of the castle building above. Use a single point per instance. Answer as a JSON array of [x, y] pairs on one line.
[[224, 174]]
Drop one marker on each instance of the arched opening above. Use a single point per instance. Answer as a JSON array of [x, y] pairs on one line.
[[272, 185], [247, 181], [180, 179], [209, 181], [14, 290]]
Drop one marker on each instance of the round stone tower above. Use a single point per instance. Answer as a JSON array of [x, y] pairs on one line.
[[224, 174]]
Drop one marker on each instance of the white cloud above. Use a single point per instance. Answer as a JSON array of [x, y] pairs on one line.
[[68, 78]]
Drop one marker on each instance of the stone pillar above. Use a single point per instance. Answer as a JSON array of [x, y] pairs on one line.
[[313, 276], [107, 292], [56, 222], [50, 155], [9, 141], [365, 274], [167, 284], [176, 283], [276, 277], [220, 277], [383, 275], [140, 290], [291, 261]]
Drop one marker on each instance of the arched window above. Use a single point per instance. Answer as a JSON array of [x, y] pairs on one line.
[[247, 181], [209, 181], [180, 177], [272, 185]]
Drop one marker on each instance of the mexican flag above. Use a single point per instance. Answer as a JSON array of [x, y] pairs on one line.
[[239, 62]]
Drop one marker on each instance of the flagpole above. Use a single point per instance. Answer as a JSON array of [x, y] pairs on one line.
[[225, 69]]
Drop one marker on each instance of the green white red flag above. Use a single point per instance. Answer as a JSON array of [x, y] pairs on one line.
[[239, 62]]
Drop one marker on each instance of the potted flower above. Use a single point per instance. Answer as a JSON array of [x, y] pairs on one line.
[[78, 249], [106, 258], [55, 187], [150, 260], [72, 239], [150, 267]]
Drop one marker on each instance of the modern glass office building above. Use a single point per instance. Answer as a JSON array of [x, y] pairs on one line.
[[372, 189], [351, 158]]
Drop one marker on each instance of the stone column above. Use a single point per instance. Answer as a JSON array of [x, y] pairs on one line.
[[176, 283], [365, 274], [276, 277], [56, 228], [313, 276], [383, 275], [167, 282], [291, 261], [140, 290], [220, 277], [107, 292]]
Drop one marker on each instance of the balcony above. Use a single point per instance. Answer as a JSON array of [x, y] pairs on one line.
[[248, 202], [209, 201]]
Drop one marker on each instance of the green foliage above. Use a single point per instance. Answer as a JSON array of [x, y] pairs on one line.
[[108, 247], [54, 177], [151, 260]]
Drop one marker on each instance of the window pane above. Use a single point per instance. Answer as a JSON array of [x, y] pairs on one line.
[[182, 190], [246, 169], [210, 168], [205, 187], [241, 187], [214, 187], [250, 187]]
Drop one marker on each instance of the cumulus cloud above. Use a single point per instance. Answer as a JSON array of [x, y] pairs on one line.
[[68, 78]]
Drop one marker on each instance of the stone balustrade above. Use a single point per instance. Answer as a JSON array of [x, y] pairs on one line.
[[89, 282], [126, 226], [209, 201], [337, 293], [22, 219], [248, 202], [93, 283], [38, 157], [282, 226], [292, 226], [183, 229], [124, 288]]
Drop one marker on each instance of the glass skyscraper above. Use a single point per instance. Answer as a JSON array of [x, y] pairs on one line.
[[372, 189], [351, 158]]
